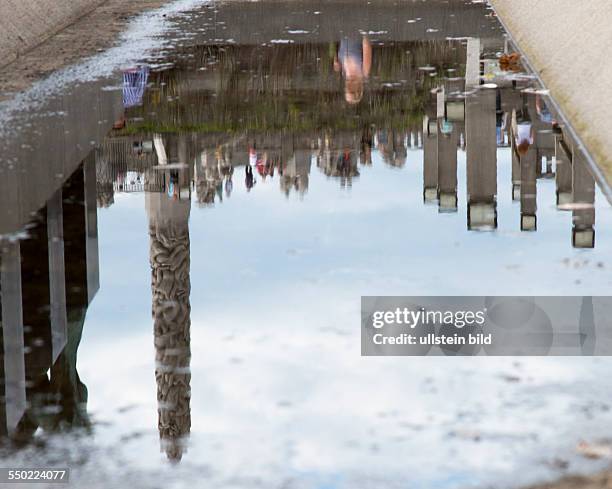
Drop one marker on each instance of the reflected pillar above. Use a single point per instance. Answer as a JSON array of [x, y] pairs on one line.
[[80, 227], [206, 177], [105, 179], [400, 153], [516, 169], [171, 310], [544, 139], [447, 167], [35, 295], [481, 155], [430, 159], [73, 214], [583, 214], [57, 275], [44, 301], [13, 404], [528, 192], [36, 261], [563, 176], [472, 64]]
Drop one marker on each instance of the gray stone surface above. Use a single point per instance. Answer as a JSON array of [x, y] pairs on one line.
[[26, 23]]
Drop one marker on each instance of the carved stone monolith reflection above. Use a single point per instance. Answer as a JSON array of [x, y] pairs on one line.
[[171, 309]]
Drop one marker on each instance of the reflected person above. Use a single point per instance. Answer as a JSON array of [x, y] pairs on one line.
[[249, 179], [544, 113], [523, 131], [354, 60]]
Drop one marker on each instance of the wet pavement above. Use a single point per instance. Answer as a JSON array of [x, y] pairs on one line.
[[188, 224]]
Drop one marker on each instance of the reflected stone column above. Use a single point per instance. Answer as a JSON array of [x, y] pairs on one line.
[[35, 296], [430, 160], [400, 153], [516, 169], [544, 139], [57, 274], [13, 402], [171, 309], [563, 176], [78, 215], [448, 138], [583, 214], [105, 179], [91, 226], [481, 154], [45, 284], [206, 176], [529, 176], [472, 64]]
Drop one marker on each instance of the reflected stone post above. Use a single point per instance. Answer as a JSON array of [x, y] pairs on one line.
[[105, 178], [13, 405], [448, 139], [79, 229], [91, 226], [481, 155], [430, 159], [472, 64], [57, 274], [563, 176], [529, 176], [46, 289], [544, 140], [583, 214], [35, 296], [516, 170], [400, 153], [453, 126], [171, 309], [206, 177]]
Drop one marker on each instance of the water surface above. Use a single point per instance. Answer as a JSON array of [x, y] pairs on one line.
[[186, 241]]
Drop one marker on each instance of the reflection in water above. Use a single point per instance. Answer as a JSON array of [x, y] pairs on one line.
[[168, 212], [48, 281], [263, 113], [354, 60], [134, 85], [275, 109], [196, 139]]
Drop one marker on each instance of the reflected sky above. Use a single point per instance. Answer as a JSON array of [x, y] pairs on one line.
[[221, 208]]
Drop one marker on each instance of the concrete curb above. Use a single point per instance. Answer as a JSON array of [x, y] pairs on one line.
[[26, 23]]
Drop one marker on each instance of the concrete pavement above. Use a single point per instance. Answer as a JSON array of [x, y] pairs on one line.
[[26, 23]]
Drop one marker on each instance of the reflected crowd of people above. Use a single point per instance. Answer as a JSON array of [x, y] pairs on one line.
[[494, 105], [515, 117]]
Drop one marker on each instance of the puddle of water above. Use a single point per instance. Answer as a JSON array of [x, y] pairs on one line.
[[247, 184]]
